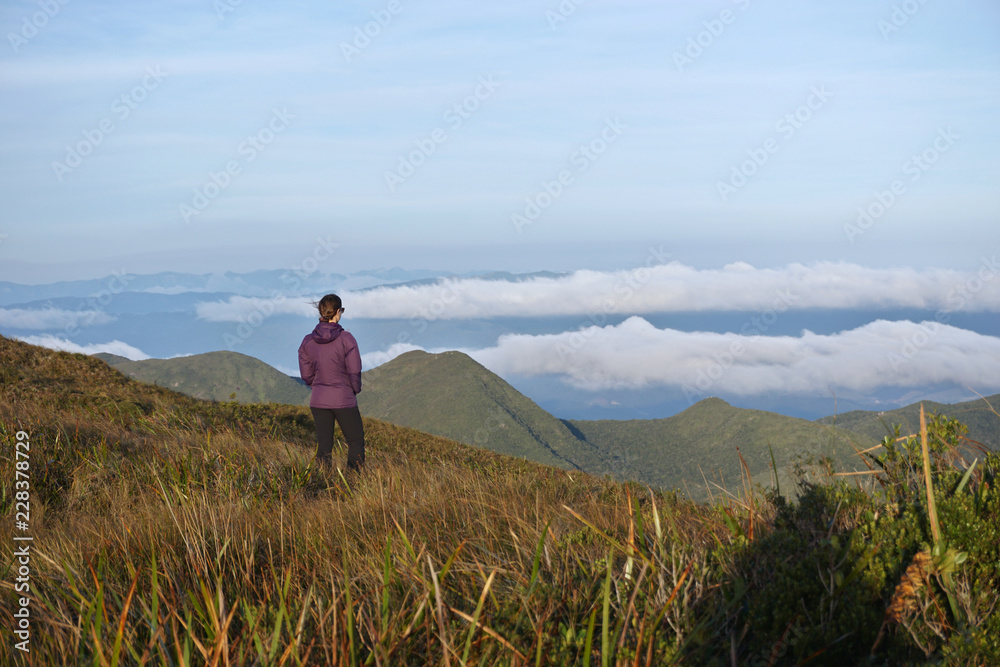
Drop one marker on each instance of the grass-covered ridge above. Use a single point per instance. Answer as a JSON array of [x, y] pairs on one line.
[[220, 376], [706, 442], [452, 395], [983, 422], [174, 531]]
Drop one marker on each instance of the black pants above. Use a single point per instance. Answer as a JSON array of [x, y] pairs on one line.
[[354, 433]]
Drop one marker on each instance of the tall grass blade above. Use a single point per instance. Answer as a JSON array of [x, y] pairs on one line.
[[588, 644], [475, 616], [931, 505], [386, 579], [351, 640], [606, 619], [536, 563], [774, 470], [117, 648], [445, 648], [966, 477]]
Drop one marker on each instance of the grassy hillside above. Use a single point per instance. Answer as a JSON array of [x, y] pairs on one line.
[[219, 376], [705, 442], [172, 531], [981, 419], [451, 395]]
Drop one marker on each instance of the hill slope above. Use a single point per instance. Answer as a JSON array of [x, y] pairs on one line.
[[150, 510], [983, 422], [451, 395], [702, 442], [219, 376]]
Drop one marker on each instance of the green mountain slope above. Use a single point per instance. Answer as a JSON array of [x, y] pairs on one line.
[[451, 395], [701, 443], [983, 423], [220, 376]]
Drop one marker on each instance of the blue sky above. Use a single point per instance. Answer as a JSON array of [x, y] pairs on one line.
[[224, 135]]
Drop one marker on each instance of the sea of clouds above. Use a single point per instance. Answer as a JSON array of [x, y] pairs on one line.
[[605, 338], [636, 354], [671, 287]]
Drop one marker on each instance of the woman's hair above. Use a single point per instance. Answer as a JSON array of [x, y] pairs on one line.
[[328, 307]]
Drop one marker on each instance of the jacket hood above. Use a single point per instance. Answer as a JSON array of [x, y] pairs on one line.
[[326, 332]]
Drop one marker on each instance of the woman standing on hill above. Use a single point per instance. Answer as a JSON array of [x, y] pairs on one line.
[[330, 363]]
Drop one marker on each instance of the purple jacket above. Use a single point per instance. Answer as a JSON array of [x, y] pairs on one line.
[[330, 363]]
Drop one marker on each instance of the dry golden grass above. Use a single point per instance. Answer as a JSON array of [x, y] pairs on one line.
[[169, 531]]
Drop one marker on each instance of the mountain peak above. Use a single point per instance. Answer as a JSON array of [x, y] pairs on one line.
[[453, 395], [711, 402]]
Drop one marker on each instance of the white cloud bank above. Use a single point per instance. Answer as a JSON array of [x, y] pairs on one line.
[[51, 318], [635, 354], [64, 345], [659, 288]]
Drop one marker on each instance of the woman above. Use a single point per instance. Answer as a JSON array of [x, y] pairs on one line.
[[330, 363]]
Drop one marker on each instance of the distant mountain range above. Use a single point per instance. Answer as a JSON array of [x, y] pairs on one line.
[[451, 395], [103, 292]]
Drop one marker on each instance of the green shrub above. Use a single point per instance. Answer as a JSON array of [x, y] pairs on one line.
[[827, 577]]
